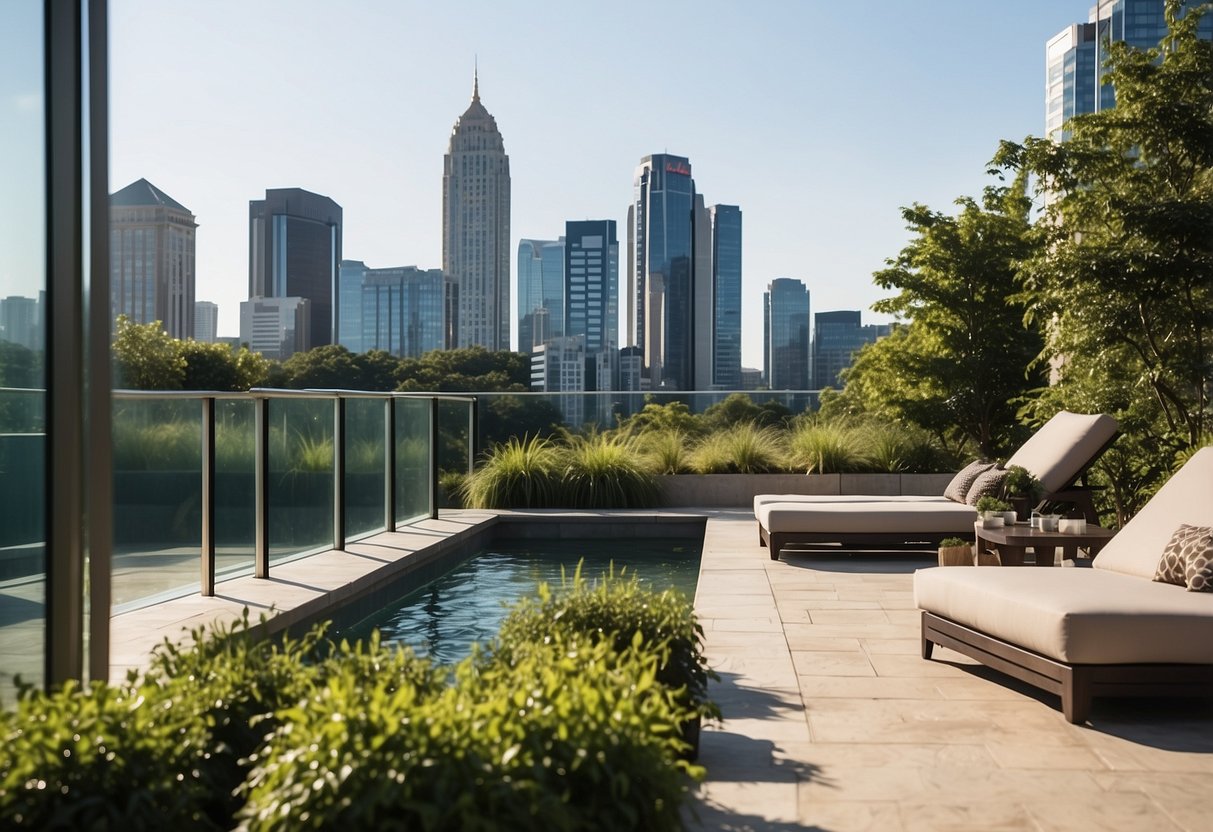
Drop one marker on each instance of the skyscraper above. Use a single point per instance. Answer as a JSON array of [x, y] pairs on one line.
[[476, 228], [152, 258], [206, 321], [785, 307], [591, 307], [661, 270], [540, 292], [402, 310], [275, 327], [294, 251], [726, 297], [1074, 57], [837, 336]]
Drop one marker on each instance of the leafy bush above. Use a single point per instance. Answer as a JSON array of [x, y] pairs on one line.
[[744, 448], [826, 448], [602, 471], [522, 473]]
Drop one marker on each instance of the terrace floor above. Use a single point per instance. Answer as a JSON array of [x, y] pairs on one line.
[[833, 721]]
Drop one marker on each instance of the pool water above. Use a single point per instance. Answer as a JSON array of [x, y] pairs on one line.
[[444, 618]]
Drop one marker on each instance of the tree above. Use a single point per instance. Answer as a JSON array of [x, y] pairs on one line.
[[960, 364], [738, 407], [1123, 273], [218, 367], [146, 357], [470, 369]]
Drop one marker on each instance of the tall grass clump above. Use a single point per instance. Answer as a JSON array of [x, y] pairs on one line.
[[159, 446], [817, 447], [667, 451], [897, 449], [520, 473], [744, 448], [606, 471]]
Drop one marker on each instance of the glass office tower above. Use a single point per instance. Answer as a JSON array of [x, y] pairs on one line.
[[540, 292], [726, 297], [661, 270], [591, 309], [786, 330], [402, 311]]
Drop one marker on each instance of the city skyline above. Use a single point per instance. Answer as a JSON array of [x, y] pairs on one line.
[[780, 136]]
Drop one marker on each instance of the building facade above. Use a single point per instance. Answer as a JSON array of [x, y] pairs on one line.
[[725, 341], [540, 292], [295, 252], [276, 327], [21, 321], [402, 311], [476, 228], [785, 307], [837, 336], [661, 270], [152, 241], [591, 291], [206, 321]]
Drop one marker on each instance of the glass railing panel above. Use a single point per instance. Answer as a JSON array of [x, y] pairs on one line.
[[235, 495], [365, 461], [454, 435], [300, 475], [157, 497], [412, 432]]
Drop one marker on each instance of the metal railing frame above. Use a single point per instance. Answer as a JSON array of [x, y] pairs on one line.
[[261, 398]]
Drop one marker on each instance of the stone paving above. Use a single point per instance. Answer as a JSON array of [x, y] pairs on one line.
[[833, 721]]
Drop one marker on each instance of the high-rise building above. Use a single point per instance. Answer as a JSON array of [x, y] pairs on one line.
[[21, 321], [350, 275], [1074, 57], [785, 310], [837, 336], [476, 227], [591, 291], [152, 240], [206, 321], [661, 270], [540, 292], [275, 327], [295, 252], [725, 341], [402, 310]]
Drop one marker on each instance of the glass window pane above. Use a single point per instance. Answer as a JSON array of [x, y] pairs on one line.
[[22, 346], [364, 466]]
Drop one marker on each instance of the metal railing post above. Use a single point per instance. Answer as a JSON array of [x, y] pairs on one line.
[[389, 464], [208, 496], [261, 471], [473, 432], [434, 457], [339, 474]]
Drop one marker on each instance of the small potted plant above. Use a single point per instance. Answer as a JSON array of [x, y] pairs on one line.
[[955, 551], [992, 511], [1023, 490]]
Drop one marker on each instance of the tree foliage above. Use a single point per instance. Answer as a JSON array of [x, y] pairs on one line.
[[466, 370], [958, 365], [146, 357], [1123, 269]]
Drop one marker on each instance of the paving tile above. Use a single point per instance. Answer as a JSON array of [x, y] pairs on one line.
[[852, 816], [965, 817], [1107, 813], [831, 663]]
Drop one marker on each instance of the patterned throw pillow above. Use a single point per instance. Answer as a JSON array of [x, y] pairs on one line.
[[987, 484], [959, 487], [1187, 560]]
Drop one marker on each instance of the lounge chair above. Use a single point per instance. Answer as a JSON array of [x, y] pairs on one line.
[[1058, 455], [1111, 630]]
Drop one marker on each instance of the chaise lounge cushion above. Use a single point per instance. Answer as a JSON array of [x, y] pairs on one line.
[[936, 516], [1058, 452], [1078, 616]]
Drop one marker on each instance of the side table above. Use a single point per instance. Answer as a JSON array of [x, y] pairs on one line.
[[1014, 540]]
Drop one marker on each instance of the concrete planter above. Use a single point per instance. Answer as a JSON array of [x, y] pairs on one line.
[[739, 490]]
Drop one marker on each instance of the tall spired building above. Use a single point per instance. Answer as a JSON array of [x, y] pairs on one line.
[[476, 228]]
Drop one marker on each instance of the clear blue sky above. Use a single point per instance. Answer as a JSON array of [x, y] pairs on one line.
[[819, 119]]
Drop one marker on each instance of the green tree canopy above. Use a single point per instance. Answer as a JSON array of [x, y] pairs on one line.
[[146, 357], [466, 370], [218, 367], [1123, 271], [959, 364]]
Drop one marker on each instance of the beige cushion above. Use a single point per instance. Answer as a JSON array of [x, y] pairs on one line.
[[959, 487], [1079, 616], [885, 517], [1185, 498], [766, 499], [1063, 447], [986, 484]]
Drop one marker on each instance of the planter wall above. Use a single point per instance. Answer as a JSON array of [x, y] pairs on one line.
[[739, 490]]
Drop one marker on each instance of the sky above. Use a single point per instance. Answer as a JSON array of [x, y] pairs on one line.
[[819, 119]]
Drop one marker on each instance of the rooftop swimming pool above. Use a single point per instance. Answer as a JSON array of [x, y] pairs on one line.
[[446, 616]]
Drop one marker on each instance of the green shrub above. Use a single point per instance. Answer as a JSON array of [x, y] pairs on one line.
[[826, 448], [521, 473], [894, 449], [666, 451], [567, 735], [159, 446], [311, 455], [603, 471], [618, 609], [451, 485], [744, 448]]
